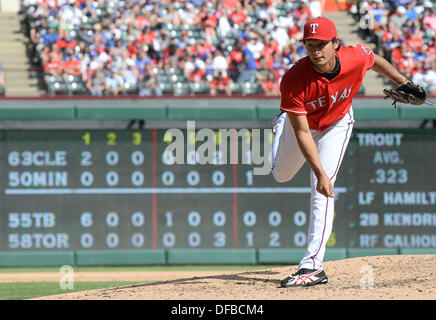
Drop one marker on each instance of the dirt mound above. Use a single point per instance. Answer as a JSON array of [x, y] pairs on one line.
[[407, 277]]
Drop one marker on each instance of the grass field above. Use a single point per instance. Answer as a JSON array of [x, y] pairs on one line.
[[27, 290]]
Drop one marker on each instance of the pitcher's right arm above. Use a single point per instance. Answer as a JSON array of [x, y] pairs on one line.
[[310, 152]]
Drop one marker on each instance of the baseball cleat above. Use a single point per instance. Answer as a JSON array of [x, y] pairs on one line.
[[305, 278]]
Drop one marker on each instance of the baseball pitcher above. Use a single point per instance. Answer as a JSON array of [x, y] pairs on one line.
[[316, 123]]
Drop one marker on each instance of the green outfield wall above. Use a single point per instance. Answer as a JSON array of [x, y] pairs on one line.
[[188, 109], [186, 256]]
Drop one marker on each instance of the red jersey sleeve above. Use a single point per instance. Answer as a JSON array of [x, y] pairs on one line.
[[366, 55], [292, 93]]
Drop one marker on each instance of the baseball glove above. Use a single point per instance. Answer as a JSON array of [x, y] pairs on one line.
[[407, 93]]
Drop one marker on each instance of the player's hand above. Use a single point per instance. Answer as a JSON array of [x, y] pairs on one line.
[[325, 186]]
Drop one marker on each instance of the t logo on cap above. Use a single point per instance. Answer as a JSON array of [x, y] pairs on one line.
[[314, 26], [320, 28]]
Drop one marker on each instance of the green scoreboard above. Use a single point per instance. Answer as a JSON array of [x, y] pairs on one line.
[[122, 189]]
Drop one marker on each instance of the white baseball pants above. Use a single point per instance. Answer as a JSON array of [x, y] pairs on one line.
[[288, 160]]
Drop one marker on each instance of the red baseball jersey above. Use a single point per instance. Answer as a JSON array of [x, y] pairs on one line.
[[323, 101]]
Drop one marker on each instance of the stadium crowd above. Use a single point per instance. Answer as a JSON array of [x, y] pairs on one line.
[[148, 47], [404, 32]]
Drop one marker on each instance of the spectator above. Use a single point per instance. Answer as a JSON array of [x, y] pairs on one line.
[[238, 16], [270, 48], [65, 41], [53, 67], [426, 78], [236, 55], [411, 13], [209, 66], [197, 79], [141, 63], [131, 45], [198, 3], [72, 65], [235, 60], [171, 16], [114, 83], [188, 65], [270, 85], [234, 71], [430, 18], [263, 70], [130, 75], [255, 46], [202, 48], [208, 23], [45, 55], [303, 12], [96, 83], [399, 18], [380, 15], [280, 35], [199, 62], [50, 37], [149, 84], [223, 28], [244, 34], [279, 66], [219, 63], [197, 76], [146, 38], [315, 8], [220, 83], [188, 16], [286, 21], [70, 16], [230, 4], [249, 68]]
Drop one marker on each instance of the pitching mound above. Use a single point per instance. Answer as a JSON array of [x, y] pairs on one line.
[[407, 277]]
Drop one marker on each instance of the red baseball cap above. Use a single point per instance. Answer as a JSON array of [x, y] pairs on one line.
[[319, 28]]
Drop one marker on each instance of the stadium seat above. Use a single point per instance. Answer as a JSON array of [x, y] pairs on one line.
[[248, 88], [163, 77], [179, 5], [89, 21], [175, 34], [74, 85], [177, 78], [194, 34], [131, 88], [166, 87], [236, 87], [181, 89], [56, 85], [172, 71], [201, 88]]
